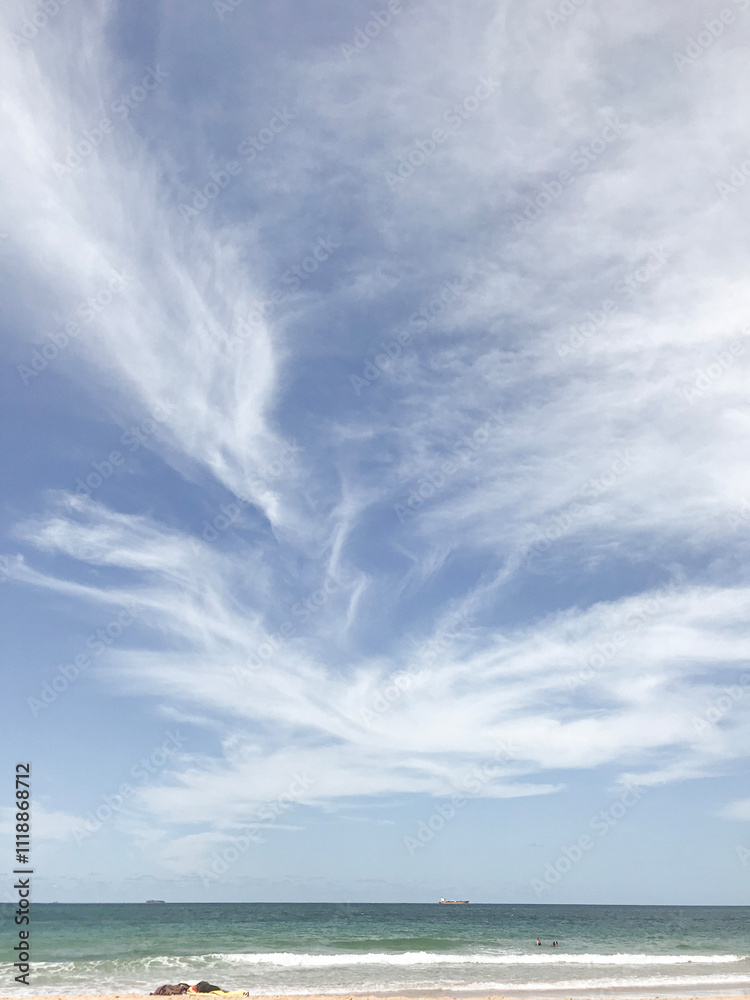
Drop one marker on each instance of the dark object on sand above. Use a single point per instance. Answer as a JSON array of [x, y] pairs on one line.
[[205, 987], [170, 990]]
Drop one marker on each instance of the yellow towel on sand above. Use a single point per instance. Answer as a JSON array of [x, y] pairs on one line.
[[219, 993]]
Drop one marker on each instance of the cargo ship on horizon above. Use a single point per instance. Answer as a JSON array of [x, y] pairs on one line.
[[453, 902]]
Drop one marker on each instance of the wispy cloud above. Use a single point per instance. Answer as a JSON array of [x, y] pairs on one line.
[[165, 338], [659, 671]]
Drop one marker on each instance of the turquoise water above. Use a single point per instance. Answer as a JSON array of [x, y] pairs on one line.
[[348, 948]]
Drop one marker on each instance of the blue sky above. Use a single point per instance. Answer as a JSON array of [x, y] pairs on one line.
[[375, 397]]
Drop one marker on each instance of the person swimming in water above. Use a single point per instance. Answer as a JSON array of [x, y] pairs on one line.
[[538, 940]]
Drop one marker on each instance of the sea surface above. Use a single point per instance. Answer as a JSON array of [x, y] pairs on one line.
[[303, 948]]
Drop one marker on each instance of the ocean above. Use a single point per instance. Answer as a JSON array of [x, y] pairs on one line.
[[303, 948]]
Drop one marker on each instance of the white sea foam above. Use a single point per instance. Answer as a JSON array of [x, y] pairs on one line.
[[302, 974], [626, 983], [304, 960]]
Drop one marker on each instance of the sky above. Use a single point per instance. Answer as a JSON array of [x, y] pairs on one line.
[[375, 405]]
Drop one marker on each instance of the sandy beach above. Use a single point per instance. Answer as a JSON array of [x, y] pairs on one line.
[[339, 996]]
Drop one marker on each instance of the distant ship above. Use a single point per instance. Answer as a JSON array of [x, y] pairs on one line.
[[453, 902], [155, 901]]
